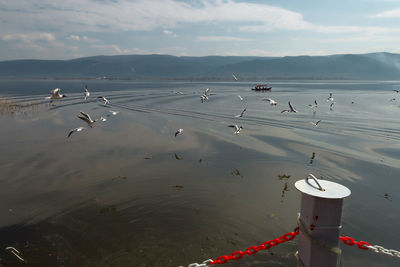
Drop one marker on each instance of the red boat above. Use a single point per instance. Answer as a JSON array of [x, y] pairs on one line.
[[262, 88]]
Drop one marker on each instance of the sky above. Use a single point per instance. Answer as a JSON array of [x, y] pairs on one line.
[[66, 29]]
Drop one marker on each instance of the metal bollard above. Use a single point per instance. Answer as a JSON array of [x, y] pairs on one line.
[[320, 222]]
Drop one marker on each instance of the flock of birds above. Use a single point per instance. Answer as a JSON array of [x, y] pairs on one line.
[[55, 94]]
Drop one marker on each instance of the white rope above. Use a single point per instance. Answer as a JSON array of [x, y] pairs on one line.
[[203, 264], [390, 252]]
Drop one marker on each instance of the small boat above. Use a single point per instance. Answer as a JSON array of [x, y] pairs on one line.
[[262, 88]]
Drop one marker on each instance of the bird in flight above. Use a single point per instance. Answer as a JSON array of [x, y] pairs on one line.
[[104, 99], [330, 98], [234, 77], [313, 106], [237, 128], [315, 123], [291, 109], [86, 117], [241, 114], [271, 101], [75, 130], [240, 97], [55, 94], [179, 131], [86, 93]]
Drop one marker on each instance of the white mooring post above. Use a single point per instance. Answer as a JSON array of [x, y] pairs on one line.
[[320, 222]]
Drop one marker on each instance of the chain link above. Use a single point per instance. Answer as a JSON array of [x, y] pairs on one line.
[[390, 252], [205, 263], [254, 249]]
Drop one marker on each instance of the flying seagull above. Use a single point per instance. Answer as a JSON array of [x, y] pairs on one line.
[[15, 252], [292, 109], [113, 112], [75, 130], [237, 128], [240, 97], [330, 98], [205, 95], [104, 99], [86, 93], [85, 117], [179, 131], [315, 123], [55, 94], [241, 114], [234, 77], [331, 107], [271, 101], [313, 106]]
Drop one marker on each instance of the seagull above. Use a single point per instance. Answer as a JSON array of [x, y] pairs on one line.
[[240, 97], [271, 101], [397, 91], [55, 94], [331, 107], [237, 128], [85, 117], [315, 105], [177, 157], [292, 109], [86, 93], [179, 131], [103, 119], [104, 99], [315, 123], [206, 95], [234, 77], [75, 130], [113, 112], [241, 114], [330, 98]]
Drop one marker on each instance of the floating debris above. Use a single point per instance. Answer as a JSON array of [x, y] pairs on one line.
[[149, 157], [283, 176], [119, 177], [177, 187], [236, 172], [312, 158], [15, 252], [177, 157]]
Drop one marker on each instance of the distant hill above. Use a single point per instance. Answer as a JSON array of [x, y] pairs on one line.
[[377, 66]]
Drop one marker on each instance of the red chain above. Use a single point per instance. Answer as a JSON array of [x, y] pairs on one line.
[[351, 242], [254, 249]]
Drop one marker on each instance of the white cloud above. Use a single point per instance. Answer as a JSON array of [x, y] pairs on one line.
[[394, 13], [82, 38], [218, 38], [144, 15], [30, 37]]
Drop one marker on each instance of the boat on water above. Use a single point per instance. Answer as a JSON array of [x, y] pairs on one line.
[[262, 88]]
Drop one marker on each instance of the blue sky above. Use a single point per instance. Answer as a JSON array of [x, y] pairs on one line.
[[65, 29]]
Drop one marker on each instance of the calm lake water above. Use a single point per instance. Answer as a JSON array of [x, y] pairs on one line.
[[128, 193]]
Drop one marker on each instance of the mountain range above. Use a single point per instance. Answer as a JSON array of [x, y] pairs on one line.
[[372, 66]]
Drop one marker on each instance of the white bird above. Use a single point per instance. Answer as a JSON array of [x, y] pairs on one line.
[[15, 252], [330, 98], [86, 93], [241, 114], [240, 97], [234, 77], [103, 119], [271, 101], [315, 123], [205, 95], [237, 128], [104, 99], [113, 112], [85, 117], [292, 109], [179, 131], [75, 130], [55, 94]]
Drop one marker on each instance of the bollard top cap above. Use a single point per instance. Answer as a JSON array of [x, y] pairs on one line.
[[321, 188]]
